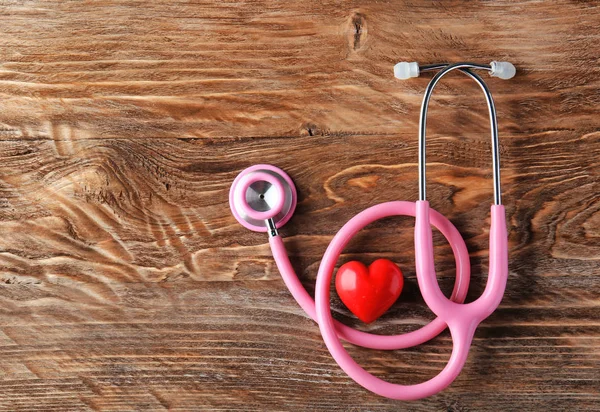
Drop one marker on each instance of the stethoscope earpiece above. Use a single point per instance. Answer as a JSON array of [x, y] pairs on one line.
[[503, 70], [406, 70], [262, 195]]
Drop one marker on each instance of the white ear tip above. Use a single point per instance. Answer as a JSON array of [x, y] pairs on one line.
[[406, 70], [503, 70]]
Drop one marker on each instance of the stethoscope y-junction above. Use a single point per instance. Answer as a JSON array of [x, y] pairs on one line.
[[263, 199]]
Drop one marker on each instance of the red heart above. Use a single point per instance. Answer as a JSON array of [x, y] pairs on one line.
[[368, 293]]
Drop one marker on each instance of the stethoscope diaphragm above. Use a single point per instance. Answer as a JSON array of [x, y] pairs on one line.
[[261, 194]]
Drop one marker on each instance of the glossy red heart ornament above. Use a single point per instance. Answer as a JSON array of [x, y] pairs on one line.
[[369, 292]]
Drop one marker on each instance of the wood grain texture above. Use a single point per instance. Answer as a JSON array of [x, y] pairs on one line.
[[126, 284]]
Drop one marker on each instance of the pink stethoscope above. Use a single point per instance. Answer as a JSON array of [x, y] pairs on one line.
[[263, 198]]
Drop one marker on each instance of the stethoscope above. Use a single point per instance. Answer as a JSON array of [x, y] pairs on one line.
[[263, 199]]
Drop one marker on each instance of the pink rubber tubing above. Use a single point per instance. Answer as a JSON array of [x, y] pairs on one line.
[[354, 336], [462, 319]]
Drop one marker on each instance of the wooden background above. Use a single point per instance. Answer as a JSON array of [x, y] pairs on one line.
[[126, 284]]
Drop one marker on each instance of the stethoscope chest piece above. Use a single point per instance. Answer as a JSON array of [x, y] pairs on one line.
[[260, 194]]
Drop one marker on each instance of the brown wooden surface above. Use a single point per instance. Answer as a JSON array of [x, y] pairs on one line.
[[126, 284]]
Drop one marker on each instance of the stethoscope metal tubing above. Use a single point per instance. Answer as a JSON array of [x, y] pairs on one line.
[[271, 228], [445, 69]]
